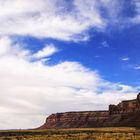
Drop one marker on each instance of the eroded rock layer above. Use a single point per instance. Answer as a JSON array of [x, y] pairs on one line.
[[126, 113]]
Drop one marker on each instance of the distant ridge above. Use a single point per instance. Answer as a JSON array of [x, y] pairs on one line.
[[126, 114]]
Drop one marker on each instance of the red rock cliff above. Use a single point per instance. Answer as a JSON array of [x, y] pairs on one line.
[[127, 106], [75, 119], [126, 113]]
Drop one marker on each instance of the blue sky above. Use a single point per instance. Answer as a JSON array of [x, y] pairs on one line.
[[60, 55], [114, 53]]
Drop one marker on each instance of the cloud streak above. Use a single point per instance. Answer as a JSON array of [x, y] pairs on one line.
[[125, 59], [137, 68], [47, 51]]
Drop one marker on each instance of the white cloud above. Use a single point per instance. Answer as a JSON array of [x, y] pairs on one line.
[[60, 20], [136, 18], [4, 45], [105, 45], [48, 18], [137, 68], [125, 59], [47, 51], [33, 90], [7, 47]]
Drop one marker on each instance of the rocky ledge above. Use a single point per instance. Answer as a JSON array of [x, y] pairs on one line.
[[126, 113]]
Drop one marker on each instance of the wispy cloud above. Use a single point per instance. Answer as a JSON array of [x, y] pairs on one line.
[[125, 59], [47, 18], [136, 18], [65, 21], [47, 51], [137, 68], [104, 44], [9, 48]]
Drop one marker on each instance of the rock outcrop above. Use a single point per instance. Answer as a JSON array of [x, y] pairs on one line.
[[75, 119], [127, 106], [126, 113]]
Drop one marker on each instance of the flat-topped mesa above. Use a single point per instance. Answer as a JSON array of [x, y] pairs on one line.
[[75, 119], [126, 113], [127, 106]]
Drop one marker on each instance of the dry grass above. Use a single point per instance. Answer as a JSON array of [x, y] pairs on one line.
[[73, 134]]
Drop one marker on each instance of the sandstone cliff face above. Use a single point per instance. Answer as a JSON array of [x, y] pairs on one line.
[[127, 106], [75, 119], [126, 113]]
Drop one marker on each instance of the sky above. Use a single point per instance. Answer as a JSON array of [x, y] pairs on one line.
[[66, 55]]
